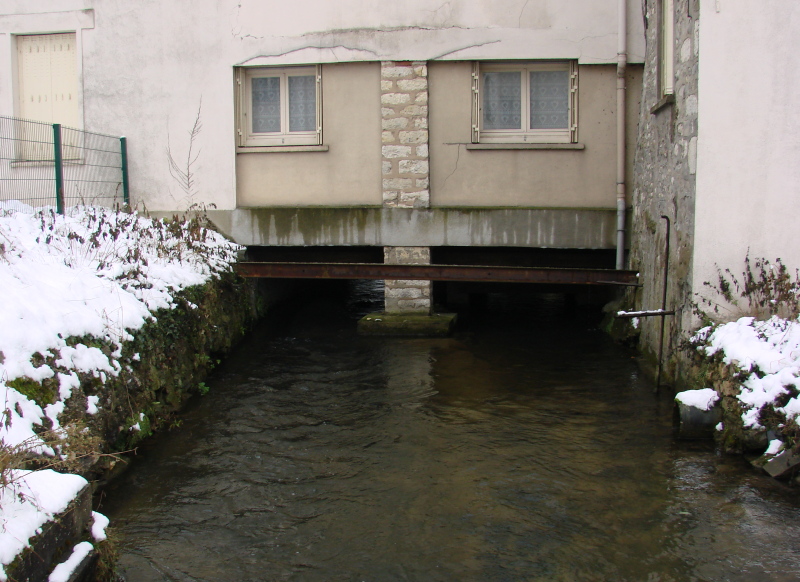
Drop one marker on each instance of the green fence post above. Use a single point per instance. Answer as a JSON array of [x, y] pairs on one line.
[[123, 148], [59, 168]]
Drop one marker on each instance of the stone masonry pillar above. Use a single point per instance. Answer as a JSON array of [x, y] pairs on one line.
[[406, 174]]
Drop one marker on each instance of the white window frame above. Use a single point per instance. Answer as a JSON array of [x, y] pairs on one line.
[[524, 135], [666, 48], [244, 82]]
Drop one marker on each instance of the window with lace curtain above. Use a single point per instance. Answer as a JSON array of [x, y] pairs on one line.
[[279, 106], [533, 102]]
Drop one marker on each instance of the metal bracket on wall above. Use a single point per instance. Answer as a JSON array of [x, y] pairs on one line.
[[662, 313]]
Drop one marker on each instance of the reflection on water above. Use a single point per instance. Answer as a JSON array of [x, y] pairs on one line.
[[523, 448]]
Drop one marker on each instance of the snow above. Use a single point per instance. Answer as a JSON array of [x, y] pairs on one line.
[[91, 404], [702, 399], [64, 570], [95, 274], [768, 352], [774, 447], [99, 525], [27, 503]]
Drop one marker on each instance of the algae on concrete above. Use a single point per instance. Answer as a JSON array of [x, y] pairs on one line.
[[407, 324]]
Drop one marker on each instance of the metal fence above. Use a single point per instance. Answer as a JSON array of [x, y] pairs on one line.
[[43, 164]]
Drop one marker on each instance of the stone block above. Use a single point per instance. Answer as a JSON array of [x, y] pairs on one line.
[[390, 198], [396, 151], [388, 112], [386, 167], [54, 539], [413, 167], [394, 123], [418, 136], [418, 84], [419, 199], [397, 183], [387, 85], [783, 464], [691, 105], [686, 50], [407, 324], [422, 151], [407, 255], [395, 98], [423, 183], [414, 305], [696, 423], [387, 137], [421, 98], [396, 72], [421, 70], [413, 110], [423, 286], [421, 122], [403, 292]]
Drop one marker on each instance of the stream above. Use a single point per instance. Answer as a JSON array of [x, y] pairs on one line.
[[528, 446]]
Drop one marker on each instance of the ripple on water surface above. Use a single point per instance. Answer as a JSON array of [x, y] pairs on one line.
[[521, 449]]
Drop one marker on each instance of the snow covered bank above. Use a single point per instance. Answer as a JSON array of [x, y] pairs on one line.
[[758, 377], [108, 321], [93, 274]]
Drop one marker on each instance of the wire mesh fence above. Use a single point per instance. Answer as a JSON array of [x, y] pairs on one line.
[[43, 164]]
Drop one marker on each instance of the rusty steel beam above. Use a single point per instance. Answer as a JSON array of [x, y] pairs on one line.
[[471, 273]]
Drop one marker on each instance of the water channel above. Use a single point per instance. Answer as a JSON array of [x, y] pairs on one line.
[[528, 446]]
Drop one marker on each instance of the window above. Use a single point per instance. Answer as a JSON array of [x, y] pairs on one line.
[[279, 106], [48, 78], [525, 102], [666, 48]]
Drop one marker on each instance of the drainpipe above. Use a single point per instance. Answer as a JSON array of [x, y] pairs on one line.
[[622, 64]]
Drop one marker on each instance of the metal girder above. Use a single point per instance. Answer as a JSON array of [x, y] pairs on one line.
[[472, 273]]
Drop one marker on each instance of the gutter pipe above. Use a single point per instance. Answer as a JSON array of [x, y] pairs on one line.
[[622, 65]]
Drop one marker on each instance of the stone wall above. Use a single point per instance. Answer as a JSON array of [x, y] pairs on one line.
[[406, 172], [404, 124], [664, 184], [407, 296]]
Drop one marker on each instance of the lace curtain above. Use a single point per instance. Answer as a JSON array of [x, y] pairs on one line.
[[502, 105], [302, 103], [266, 93], [549, 99], [266, 104]]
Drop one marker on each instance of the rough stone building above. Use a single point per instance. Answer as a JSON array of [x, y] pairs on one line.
[[717, 152], [423, 132]]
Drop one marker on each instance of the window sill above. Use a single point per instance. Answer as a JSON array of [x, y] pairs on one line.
[[281, 149], [662, 103], [525, 146]]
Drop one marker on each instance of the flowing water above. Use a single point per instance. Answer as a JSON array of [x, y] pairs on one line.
[[526, 447]]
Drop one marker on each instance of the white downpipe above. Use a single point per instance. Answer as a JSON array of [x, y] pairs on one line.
[[622, 65]]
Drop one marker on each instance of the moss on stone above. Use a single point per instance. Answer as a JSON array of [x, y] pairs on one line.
[[411, 324], [43, 393]]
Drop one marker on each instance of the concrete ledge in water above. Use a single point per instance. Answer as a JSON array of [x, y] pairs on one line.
[[410, 324], [55, 541]]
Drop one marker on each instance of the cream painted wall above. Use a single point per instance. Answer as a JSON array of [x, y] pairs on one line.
[[349, 173], [146, 65], [539, 178], [748, 155]]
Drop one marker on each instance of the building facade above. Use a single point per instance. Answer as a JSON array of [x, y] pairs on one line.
[[717, 153], [356, 123]]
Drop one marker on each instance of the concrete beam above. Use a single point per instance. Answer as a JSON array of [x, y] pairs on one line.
[[566, 228]]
